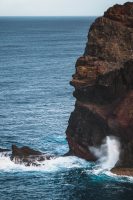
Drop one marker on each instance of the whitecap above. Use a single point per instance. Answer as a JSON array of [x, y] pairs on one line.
[[54, 164]]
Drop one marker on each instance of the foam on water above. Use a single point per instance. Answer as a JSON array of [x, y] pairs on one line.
[[108, 153], [56, 164], [60, 164]]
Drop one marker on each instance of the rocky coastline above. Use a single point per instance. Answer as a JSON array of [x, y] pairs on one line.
[[25, 155], [103, 83]]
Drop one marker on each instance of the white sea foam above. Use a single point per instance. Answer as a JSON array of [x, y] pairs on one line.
[[108, 153], [56, 164], [59, 164]]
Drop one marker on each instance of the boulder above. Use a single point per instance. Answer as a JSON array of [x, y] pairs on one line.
[[28, 156]]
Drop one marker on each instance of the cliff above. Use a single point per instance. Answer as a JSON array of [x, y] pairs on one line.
[[103, 83]]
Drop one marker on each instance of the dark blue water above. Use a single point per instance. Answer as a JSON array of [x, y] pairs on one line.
[[37, 58]]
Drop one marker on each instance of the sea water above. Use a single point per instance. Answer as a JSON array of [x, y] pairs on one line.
[[37, 60]]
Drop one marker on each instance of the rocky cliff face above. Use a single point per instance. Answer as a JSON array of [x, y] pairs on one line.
[[103, 83]]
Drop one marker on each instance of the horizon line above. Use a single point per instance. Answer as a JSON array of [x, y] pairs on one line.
[[49, 15]]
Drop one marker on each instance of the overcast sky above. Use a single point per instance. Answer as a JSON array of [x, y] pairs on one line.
[[55, 7]]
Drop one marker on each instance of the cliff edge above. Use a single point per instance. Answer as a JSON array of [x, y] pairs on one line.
[[103, 83]]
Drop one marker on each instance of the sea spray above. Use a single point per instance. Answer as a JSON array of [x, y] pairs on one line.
[[55, 164], [108, 153]]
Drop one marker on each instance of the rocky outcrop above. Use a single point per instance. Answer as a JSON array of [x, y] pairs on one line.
[[25, 155], [122, 171], [103, 83], [28, 156], [4, 150]]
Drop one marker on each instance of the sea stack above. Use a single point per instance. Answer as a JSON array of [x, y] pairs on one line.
[[103, 83]]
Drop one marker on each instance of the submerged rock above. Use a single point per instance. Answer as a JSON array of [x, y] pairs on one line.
[[103, 83]]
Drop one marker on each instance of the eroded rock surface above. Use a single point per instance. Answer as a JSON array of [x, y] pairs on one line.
[[122, 171], [103, 83], [28, 156]]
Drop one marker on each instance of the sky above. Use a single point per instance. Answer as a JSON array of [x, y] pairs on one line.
[[56, 7]]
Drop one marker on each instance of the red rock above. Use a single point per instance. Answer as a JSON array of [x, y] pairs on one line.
[[122, 171], [103, 83]]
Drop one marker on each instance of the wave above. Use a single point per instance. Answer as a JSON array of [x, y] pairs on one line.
[[54, 164], [108, 153], [61, 164]]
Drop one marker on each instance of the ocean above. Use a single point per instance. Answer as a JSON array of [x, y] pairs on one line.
[[37, 60]]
